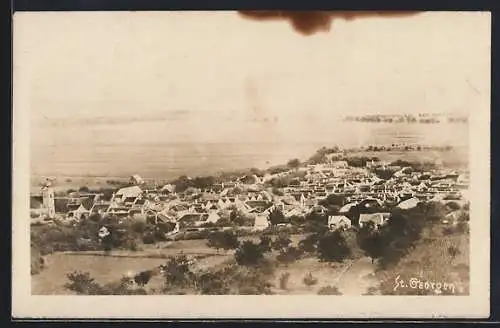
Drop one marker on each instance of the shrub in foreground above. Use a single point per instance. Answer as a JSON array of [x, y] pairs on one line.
[[249, 253], [284, 278], [82, 283], [289, 255], [329, 290], [223, 239], [309, 280], [177, 272], [333, 247]]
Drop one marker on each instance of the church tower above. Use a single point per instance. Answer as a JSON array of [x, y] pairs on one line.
[[48, 200]]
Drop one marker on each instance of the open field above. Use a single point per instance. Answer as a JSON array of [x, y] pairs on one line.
[[353, 277], [64, 183], [456, 158], [106, 268], [350, 277]]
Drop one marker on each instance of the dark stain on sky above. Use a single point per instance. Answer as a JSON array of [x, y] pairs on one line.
[[311, 22]]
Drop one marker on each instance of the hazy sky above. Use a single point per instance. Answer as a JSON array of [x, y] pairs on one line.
[[121, 67], [102, 63], [92, 80]]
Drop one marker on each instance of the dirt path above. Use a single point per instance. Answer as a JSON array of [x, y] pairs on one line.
[[356, 279]]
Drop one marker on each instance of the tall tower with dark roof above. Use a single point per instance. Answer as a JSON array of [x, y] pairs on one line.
[[48, 199]]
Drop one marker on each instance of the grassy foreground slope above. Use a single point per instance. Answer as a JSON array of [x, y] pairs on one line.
[[440, 257]]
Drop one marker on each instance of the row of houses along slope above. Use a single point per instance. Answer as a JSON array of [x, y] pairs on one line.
[[307, 191]]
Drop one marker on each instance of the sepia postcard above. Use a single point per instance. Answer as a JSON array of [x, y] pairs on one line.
[[256, 164]]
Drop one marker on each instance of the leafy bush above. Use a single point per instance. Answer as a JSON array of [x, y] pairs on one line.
[[399, 235], [37, 260], [276, 217], [274, 230], [139, 227], [309, 244], [148, 238], [384, 174], [284, 278], [293, 163], [165, 227], [289, 255], [223, 239], [281, 242], [95, 217], [453, 251], [82, 283], [249, 254], [212, 284], [370, 241], [416, 166], [316, 223], [132, 245], [371, 291], [318, 158], [277, 192], [309, 280], [177, 272], [297, 220], [203, 234], [329, 290], [235, 279], [59, 238], [252, 282], [265, 243], [460, 228], [333, 247], [236, 218], [453, 206], [334, 199], [360, 161]]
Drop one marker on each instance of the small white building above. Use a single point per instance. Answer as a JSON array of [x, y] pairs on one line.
[[137, 179], [338, 221], [213, 217], [409, 203], [261, 222], [127, 192], [48, 200], [378, 219]]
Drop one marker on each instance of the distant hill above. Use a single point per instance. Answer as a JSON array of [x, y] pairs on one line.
[[422, 118]]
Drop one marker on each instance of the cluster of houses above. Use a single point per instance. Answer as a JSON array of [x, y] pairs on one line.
[[254, 199]]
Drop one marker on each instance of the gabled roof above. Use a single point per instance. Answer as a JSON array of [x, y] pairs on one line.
[[409, 203], [87, 203], [133, 191], [191, 217], [377, 218], [209, 197], [346, 208], [335, 219]]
